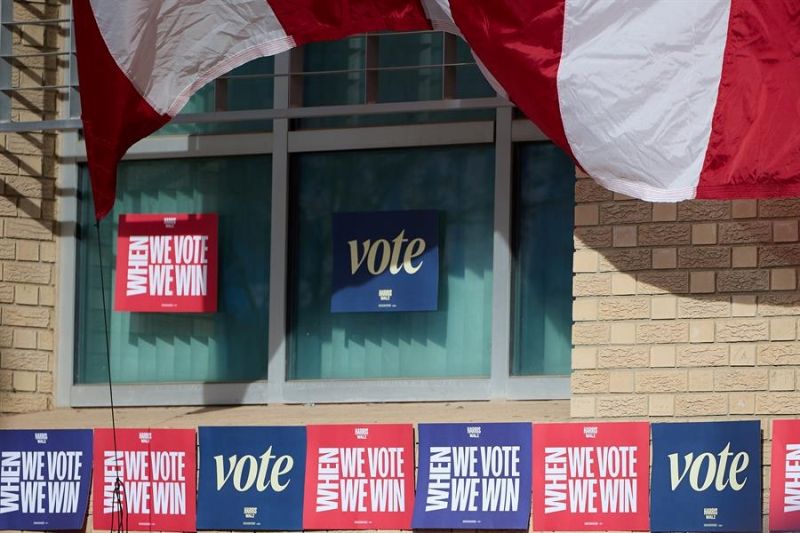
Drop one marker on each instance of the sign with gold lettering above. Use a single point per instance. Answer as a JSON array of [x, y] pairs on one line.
[[166, 263], [591, 476], [784, 500], [385, 261], [706, 477], [251, 478]]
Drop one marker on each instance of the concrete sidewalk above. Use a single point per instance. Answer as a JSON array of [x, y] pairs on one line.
[[286, 415]]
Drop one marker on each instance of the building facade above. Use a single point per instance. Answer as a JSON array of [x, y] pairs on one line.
[[551, 287]]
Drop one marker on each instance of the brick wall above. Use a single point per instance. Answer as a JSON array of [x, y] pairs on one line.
[[684, 310], [27, 213]]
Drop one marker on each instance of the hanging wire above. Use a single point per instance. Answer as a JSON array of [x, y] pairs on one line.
[[119, 516]]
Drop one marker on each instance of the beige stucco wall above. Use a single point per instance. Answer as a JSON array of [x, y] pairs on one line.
[[28, 167]]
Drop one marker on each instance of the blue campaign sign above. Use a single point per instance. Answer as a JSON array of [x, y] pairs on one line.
[[706, 477], [385, 261], [45, 477], [473, 476], [251, 478]]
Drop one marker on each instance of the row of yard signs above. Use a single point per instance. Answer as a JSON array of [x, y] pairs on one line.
[[570, 476]]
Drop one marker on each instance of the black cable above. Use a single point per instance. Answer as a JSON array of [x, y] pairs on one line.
[[119, 487]]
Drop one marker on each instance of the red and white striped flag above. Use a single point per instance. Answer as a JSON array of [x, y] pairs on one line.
[[662, 100]]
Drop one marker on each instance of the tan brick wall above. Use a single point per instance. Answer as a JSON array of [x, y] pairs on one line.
[[27, 227], [685, 310]]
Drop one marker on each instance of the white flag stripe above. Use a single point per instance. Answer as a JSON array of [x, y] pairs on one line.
[[642, 129], [440, 15], [185, 44]]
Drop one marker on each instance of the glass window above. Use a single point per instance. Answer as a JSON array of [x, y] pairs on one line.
[[544, 210], [229, 345], [250, 86], [388, 68], [451, 342], [410, 67]]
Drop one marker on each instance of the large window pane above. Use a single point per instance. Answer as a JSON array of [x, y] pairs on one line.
[[250, 86], [453, 341], [229, 345], [390, 68], [544, 207]]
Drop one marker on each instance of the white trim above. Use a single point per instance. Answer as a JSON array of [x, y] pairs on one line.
[[323, 391], [279, 232], [66, 282], [502, 260], [186, 146], [391, 137]]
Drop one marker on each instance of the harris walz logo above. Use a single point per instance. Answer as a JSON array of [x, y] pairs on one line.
[[385, 261]]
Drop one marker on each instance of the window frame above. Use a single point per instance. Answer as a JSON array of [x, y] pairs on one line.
[[503, 131]]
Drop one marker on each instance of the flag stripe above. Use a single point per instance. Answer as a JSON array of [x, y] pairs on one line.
[[170, 49], [438, 12], [520, 44], [114, 113], [754, 149], [638, 84], [319, 20]]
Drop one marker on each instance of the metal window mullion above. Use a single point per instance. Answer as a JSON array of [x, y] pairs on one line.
[[450, 46], [68, 182], [279, 229], [6, 50], [372, 64], [73, 107], [501, 263]]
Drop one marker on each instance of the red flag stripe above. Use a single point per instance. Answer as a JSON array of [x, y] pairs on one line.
[[520, 44], [754, 150], [114, 114], [321, 20]]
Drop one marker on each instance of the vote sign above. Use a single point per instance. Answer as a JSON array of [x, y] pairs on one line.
[[784, 500], [45, 476], [166, 263], [158, 472], [590, 476], [706, 477], [251, 478], [359, 477], [473, 476], [385, 261]]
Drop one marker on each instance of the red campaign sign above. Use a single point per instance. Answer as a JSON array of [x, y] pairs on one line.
[[359, 477], [158, 471], [784, 486], [166, 263], [591, 477]]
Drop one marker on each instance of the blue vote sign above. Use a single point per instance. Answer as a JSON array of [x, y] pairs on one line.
[[385, 261], [473, 476], [251, 478], [706, 477], [45, 477]]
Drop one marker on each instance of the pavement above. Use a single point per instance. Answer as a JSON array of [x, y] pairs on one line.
[[289, 415]]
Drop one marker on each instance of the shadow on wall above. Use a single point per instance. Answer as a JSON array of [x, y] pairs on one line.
[[28, 160], [691, 260]]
